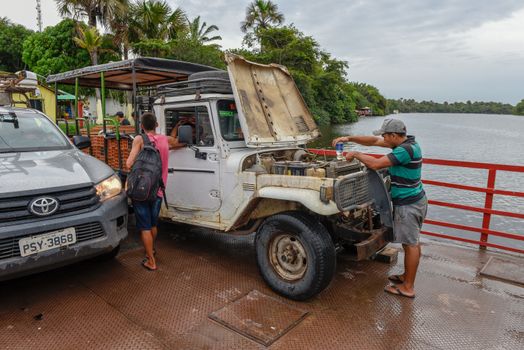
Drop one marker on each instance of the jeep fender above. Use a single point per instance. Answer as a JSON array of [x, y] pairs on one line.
[[308, 198]]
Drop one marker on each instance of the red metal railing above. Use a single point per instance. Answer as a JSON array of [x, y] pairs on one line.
[[487, 210]]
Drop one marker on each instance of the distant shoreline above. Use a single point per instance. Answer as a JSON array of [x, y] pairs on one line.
[[468, 107]]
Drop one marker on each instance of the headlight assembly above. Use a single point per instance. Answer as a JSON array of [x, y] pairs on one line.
[[109, 188]]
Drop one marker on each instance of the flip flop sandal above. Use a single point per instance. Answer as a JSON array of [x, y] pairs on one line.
[[396, 278], [396, 291], [147, 267], [144, 260]]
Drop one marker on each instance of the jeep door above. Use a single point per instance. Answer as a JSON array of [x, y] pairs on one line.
[[193, 183]]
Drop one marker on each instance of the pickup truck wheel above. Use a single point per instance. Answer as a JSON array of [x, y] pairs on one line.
[[295, 255]]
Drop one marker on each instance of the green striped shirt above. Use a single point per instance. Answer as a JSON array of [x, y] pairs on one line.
[[406, 172]]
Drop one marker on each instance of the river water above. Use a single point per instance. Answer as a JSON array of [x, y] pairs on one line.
[[466, 137]]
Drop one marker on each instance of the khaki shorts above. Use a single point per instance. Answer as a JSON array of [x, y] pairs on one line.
[[408, 221]]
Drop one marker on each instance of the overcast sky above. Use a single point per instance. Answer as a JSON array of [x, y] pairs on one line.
[[441, 50]]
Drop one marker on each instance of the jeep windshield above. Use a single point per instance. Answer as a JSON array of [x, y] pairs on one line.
[[25, 131], [229, 123]]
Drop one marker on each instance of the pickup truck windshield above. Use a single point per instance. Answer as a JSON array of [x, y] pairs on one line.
[[29, 131], [229, 123]]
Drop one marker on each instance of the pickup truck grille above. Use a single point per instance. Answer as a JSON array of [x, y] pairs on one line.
[[9, 246], [352, 191], [16, 207]]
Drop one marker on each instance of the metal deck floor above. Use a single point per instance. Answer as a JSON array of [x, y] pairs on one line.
[[120, 305]]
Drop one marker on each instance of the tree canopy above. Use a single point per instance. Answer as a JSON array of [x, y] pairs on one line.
[[519, 108], [412, 106], [12, 37], [54, 50], [153, 28], [199, 33], [261, 14], [320, 78], [96, 11]]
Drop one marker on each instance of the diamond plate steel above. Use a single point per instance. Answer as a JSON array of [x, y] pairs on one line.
[[259, 317], [506, 270], [120, 305], [53, 311]]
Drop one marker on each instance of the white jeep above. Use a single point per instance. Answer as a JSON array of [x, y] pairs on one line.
[[246, 170]]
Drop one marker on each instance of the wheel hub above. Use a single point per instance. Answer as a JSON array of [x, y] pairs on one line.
[[288, 257]]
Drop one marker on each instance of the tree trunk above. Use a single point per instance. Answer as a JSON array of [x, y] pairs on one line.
[[100, 117]]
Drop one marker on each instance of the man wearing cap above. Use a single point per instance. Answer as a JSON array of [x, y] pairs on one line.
[[410, 204], [122, 119]]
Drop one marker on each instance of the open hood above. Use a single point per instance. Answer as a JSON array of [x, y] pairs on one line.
[[270, 108]]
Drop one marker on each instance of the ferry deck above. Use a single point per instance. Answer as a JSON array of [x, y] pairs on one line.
[[208, 294]]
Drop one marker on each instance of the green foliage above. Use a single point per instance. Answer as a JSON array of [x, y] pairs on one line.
[[95, 11], [261, 14], [412, 106], [320, 78], [12, 37], [54, 51], [71, 127], [368, 96], [154, 19], [200, 32], [90, 40], [152, 47], [519, 108], [186, 49]]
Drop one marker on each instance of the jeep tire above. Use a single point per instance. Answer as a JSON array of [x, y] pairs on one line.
[[295, 255]]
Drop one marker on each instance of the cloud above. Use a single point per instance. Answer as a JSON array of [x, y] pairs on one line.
[[423, 49]]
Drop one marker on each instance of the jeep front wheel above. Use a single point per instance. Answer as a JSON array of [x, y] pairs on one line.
[[295, 255]]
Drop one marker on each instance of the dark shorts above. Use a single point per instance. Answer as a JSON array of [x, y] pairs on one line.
[[146, 214], [408, 221]]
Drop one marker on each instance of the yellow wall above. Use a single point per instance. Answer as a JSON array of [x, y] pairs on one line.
[[48, 104]]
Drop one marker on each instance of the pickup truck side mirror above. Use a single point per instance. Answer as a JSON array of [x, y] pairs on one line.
[[81, 141], [185, 135]]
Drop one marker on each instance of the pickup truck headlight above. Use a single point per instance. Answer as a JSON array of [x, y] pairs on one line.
[[109, 188]]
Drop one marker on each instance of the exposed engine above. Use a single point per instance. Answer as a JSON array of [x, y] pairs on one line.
[[350, 226], [299, 163]]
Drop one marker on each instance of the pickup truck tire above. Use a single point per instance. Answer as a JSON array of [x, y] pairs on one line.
[[295, 255]]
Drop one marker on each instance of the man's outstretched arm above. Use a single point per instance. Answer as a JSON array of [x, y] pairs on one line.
[[370, 161], [361, 140]]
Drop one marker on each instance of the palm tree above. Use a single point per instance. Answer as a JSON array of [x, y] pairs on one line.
[[199, 33], [122, 31], [96, 11], [91, 40], [261, 14], [154, 19]]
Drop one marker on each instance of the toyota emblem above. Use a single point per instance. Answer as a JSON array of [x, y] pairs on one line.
[[43, 206]]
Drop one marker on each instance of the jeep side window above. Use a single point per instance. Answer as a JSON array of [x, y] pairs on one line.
[[229, 123], [197, 117]]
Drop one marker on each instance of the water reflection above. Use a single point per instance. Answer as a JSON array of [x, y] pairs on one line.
[[468, 137]]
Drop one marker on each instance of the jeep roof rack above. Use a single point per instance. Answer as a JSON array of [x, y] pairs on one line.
[[196, 86]]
